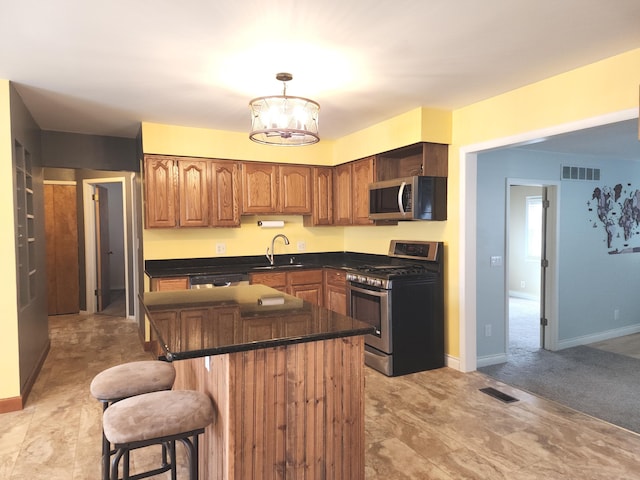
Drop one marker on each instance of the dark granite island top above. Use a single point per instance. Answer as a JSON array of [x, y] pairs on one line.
[[198, 323], [286, 378]]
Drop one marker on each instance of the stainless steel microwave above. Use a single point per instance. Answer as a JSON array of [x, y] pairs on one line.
[[409, 198]]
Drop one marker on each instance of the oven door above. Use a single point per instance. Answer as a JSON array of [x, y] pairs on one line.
[[373, 306]]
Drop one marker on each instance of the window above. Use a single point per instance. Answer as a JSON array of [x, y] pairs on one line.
[[533, 224]]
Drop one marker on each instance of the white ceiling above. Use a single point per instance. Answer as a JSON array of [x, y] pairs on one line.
[[101, 68]]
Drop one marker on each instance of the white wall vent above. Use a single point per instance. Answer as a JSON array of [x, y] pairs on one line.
[[580, 173]]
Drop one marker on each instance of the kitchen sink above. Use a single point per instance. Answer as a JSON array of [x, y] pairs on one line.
[[279, 267]]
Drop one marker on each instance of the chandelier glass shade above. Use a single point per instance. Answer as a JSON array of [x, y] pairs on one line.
[[284, 120]]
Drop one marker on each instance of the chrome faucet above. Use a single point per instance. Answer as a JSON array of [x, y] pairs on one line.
[[286, 242]]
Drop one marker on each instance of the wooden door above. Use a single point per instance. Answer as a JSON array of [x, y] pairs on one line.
[[61, 231], [103, 252], [160, 192], [225, 194], [362, 176], [342, 194], [259, 188], [193, 193], [294, 188]]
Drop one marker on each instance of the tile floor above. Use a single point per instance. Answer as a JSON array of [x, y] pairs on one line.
[[430, 425]]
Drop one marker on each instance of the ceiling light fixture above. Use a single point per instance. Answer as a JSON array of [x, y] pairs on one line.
[[284, 120]]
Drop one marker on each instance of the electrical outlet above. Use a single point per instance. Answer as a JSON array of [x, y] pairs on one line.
[[496, 261], [616, 314], [221, 248], [487, 330], [522, 284], [302, 246]]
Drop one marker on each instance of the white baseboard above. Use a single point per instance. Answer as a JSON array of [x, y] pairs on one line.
[[524, 296], [598, 337], [491, 360], [452, 362]]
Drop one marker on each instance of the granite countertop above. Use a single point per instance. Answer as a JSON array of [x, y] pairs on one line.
[[198, 323], [256, 263]]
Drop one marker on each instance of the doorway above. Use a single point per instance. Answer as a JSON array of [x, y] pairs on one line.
[[531, 227], [524, 254], [107, 286]]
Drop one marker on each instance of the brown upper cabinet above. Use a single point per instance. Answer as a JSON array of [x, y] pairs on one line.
[[322, 190], [190, 192], [274, 188], [429, 159], [351, 192], [160, 191]]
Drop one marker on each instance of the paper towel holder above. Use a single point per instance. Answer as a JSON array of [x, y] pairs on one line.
[[271, 223]]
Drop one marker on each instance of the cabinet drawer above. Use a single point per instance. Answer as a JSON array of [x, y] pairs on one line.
[[270, 279], [305, 276], [335, 277], [162, 284]]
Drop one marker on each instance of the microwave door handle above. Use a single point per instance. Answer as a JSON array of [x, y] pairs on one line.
[[400, 194]]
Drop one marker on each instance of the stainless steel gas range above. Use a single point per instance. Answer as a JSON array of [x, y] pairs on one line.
[[404, 301]]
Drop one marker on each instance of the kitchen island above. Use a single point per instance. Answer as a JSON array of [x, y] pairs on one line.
[[286, 378]]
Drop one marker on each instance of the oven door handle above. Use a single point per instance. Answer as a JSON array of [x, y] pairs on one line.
[[400, 195], [375, 293]]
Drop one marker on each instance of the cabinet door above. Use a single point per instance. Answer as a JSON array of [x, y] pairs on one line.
[[194, 328], [164, 284], [311, 293], [294, 185], [322, 212], [277, 280], [193, 193], [160, 192], [259, 188], [307, 285], [362, 176], [225, 194], [342, 194], [335, 290]]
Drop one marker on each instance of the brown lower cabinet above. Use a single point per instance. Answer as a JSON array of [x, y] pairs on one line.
[[304, 284], [335, 290], [160, 284], [324, 287]]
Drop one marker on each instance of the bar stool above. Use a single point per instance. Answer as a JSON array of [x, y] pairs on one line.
[[124, 381], [157, 418]]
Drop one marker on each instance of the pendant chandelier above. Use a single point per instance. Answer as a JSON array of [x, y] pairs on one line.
[[284, 120]]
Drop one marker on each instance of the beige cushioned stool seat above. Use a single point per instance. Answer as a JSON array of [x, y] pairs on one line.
[[132, 378], [157, 414]]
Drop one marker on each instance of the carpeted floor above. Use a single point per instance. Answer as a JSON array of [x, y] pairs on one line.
[[600, 383]]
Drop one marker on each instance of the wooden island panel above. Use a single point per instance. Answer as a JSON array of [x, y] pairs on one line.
[[294, 411]]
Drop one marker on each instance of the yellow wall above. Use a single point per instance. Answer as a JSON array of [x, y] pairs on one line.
[[202, 142], [249, 239], [9, 366]]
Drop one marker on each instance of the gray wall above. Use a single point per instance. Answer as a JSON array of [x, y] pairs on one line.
[[72, 150], [33, 325], [592, 283]]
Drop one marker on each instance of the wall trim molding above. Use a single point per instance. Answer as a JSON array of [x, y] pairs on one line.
[[452, 362], [491, 360], [598, 337], [12, 404]]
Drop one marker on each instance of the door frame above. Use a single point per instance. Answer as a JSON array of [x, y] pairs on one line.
[[90, 251], [552, 240], [468, 163]]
